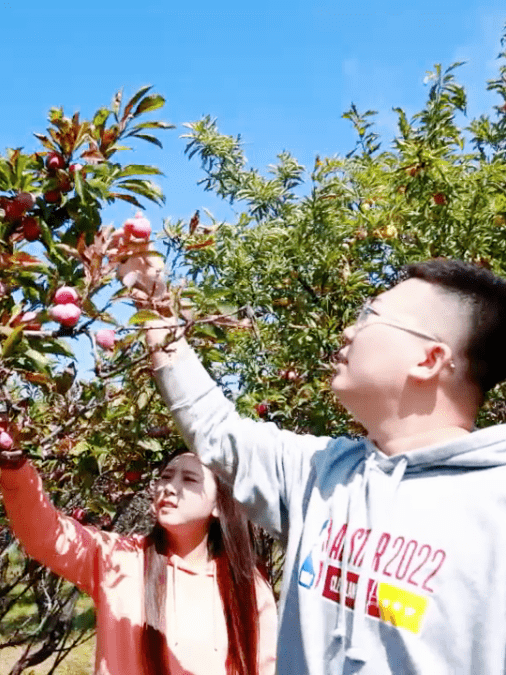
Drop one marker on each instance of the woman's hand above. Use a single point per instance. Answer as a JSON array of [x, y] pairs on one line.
[[14, 458]]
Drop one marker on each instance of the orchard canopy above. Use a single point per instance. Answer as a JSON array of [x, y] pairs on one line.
[[264, 298]]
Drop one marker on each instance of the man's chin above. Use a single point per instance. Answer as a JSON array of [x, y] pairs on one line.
[[338, 384]]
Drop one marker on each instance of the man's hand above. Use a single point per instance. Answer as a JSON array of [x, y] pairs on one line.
[[139, 266], [141, 269]]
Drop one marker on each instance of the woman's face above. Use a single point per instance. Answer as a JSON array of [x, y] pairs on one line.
[[185, 494]]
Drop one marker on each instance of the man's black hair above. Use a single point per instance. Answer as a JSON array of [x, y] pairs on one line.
[[485, 294]]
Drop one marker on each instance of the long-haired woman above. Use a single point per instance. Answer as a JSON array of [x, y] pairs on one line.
[[187, 599]]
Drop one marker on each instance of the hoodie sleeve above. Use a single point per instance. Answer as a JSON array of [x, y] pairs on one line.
[[267, 466], [59, 542]]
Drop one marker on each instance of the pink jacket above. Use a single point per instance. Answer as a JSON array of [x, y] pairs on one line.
[[109, 568]]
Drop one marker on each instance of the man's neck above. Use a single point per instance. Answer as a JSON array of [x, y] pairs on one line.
[[395, 444]]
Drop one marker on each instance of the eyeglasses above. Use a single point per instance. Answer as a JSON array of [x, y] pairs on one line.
[[368, 310]]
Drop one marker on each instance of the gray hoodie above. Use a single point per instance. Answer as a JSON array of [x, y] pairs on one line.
[[393, 564]]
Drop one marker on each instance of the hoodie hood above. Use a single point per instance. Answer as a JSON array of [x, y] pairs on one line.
[[208, 569], [484, 448]]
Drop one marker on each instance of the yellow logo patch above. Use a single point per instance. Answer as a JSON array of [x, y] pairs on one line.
[[401, 608]]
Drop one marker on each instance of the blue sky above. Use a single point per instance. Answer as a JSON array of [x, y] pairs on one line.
[[279, 73]]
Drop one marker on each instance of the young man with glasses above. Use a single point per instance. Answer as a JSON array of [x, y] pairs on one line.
[[395, 543]]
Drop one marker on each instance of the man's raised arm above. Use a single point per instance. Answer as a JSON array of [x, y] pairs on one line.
[[265, 464]]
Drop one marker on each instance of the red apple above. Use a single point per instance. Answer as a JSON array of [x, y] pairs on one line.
[[54, 161], [133, 476], [25, 200], [138, 227], [65, 295], [68, 314], [262, 409], [79, 514], [105, 338], [31, 228], [13, 211], [105, 521], [74, 168], [29, 321], [6, 440], [52, 196], [64, 183], [439, 198]]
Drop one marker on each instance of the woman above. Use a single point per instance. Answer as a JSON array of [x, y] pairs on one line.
[[185, 600]]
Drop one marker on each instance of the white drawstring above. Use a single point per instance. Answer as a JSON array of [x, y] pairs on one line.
[[377, 511]]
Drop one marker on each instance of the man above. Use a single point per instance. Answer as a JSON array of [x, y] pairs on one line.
[[395, 543]]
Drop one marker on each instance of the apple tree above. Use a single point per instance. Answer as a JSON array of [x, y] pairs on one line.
[[308, 247], [57, 283]]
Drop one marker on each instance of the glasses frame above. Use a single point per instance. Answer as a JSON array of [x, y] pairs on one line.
[[368, 310]]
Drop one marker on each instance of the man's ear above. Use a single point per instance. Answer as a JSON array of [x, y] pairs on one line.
[[436, 356]]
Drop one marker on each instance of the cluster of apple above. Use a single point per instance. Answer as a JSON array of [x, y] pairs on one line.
[[138, 226], [66, 310], [56, 169], [15, 210]]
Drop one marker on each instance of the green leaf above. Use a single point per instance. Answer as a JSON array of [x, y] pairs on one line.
[[139, 169], [147, 137], [136, 97], [79, 185], [126, 198], [150, 103], [12, 341], [55, 346], [154, 125], [143, 316], [151, 444], [101, 117], [38, 358], [145, 188]]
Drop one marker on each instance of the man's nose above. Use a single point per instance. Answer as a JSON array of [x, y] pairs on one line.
[[349, 333]]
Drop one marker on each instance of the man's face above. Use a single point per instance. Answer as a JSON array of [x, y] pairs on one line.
[[380, 350]]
